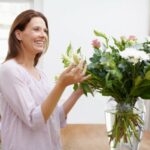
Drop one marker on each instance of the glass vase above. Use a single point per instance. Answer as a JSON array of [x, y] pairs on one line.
[[124, 125]]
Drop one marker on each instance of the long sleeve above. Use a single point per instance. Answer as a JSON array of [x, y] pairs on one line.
[[62, 117], [22, 125], [15, 91]]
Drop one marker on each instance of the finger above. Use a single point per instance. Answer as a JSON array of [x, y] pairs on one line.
[[68, 69], [81, 64], [86, 77], [84, 69], [76, 71]]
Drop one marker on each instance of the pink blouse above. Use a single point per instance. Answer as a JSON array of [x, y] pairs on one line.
[[23, 126]]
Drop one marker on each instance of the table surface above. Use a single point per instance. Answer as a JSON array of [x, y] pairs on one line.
[[92, 137]]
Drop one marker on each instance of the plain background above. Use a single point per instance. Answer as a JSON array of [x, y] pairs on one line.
[[74, 21]]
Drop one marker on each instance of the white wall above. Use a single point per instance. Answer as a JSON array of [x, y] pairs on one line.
[[74, 21]]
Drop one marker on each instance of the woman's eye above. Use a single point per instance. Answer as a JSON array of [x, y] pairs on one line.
[[46, 31], [36, 29]]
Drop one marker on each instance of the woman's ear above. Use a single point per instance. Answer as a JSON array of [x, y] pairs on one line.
[[18, 35]]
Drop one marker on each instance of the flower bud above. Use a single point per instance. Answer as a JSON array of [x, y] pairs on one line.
[[66, 58], [96, 44], [76, 58], [132, 38], [123, 38]]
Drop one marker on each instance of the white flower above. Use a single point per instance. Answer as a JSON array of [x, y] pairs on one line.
[[76, 58], [109, 50], [134, 55]]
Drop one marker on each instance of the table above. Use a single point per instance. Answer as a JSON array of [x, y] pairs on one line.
[[92, 137]]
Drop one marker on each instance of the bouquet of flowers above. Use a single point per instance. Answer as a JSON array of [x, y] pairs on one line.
[[119, 68]]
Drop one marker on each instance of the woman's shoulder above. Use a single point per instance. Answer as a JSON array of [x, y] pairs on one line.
[[9, 67]]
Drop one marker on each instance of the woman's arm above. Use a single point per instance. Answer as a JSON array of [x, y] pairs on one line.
[[72, 75], [72, 100]]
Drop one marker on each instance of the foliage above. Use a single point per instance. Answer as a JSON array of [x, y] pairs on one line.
[[119, 68]]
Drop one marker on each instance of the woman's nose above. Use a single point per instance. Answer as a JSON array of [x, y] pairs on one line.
[[43, 34]]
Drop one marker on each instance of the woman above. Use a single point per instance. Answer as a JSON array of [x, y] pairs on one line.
[[31, 119]]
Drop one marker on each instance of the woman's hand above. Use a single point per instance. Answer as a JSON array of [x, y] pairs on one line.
[[73, 74]]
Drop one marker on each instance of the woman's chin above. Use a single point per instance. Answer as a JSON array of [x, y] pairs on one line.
[[39, 50]]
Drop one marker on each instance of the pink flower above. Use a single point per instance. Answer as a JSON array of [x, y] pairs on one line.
[[132, 38], [96, 44]]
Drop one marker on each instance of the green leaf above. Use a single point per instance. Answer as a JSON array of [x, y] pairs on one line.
[[118, 44], [75, 87], [78, 50], [147, 75], [100, 34], [69, 49], [86, 88], [103, 35], [142, 89], [138, 80]]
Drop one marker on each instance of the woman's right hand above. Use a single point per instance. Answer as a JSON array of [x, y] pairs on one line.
[[73, 74]]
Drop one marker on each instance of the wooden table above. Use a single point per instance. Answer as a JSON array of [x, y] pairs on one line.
[[92, 137]]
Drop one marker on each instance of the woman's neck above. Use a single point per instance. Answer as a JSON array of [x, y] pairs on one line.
[[26, 61]]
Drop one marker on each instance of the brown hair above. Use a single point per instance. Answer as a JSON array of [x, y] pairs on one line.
[[20, 23]]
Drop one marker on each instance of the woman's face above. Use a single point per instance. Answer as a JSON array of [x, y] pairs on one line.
[[34, 38]]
